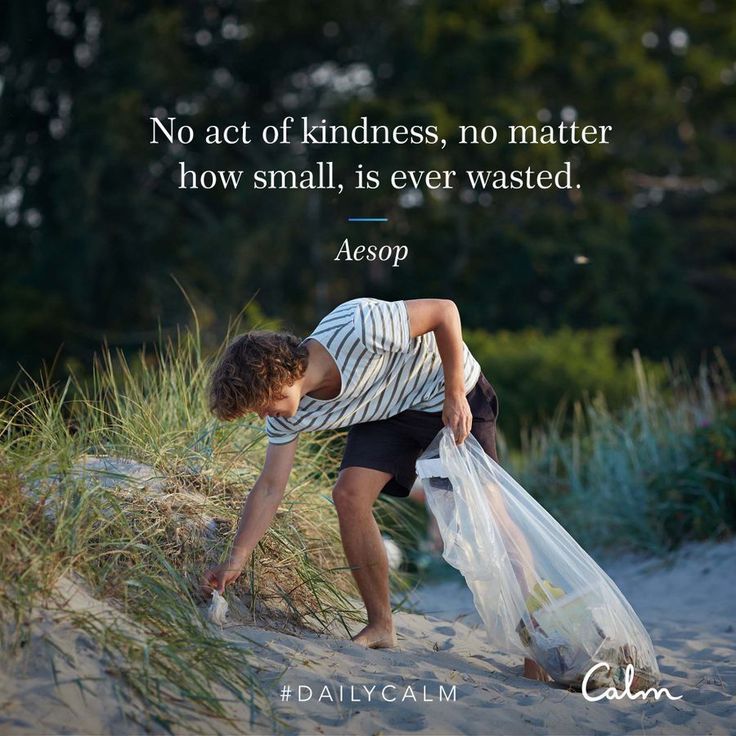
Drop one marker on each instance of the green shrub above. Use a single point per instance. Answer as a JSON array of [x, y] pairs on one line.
[[539, 375], [657, 472], [698, 499]]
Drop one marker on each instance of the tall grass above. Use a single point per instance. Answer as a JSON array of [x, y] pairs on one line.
[[648, 476], [143, 545]]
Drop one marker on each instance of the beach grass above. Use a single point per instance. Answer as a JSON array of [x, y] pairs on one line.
[[649, 476], [125, 483]]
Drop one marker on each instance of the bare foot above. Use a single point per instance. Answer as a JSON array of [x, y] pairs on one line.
[[534, 672], [374, 636]]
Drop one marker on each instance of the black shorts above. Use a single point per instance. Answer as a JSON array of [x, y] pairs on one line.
[[394, 444]]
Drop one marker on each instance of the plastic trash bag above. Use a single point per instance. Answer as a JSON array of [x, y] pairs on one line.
[[217, 611], [537, 591]]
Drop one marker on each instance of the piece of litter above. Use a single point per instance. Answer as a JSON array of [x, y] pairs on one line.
[[218, 609]]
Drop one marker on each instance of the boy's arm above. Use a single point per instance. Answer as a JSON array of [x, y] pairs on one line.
[[258, 512], [442, 317], [263, 501]]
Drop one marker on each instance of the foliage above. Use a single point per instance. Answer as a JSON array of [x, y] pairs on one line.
[[697, 499], [94, 224], [141, 547], [537, 376], [656, 473]]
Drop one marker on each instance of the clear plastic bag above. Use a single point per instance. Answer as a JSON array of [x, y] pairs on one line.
[[537, 591]]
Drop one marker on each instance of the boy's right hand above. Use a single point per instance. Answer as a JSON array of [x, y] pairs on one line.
[[216, 578]]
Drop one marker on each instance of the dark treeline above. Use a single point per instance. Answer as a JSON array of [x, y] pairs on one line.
[[95, 232]]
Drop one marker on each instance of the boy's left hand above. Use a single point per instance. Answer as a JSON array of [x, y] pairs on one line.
[[456, 415]]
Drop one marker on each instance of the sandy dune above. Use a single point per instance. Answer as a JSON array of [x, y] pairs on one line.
[[686, 604]]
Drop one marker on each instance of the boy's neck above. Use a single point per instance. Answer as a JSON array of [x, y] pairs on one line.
[[322, 379]]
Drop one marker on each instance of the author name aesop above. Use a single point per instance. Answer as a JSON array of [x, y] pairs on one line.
[[395, 254]]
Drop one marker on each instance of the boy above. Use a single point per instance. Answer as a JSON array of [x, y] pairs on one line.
[[395, 373]]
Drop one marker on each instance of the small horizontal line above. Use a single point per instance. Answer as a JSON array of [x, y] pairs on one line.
[[367, 219]]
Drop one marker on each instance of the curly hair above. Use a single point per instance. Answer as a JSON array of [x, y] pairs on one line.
[[252, 371]]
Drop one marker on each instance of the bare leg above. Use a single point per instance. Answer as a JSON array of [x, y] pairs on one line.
[[520, 554], [354, 495], [522, 563], [534, 672]]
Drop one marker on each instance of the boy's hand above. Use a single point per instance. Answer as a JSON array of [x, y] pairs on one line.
[[216, 578], [456, 415]]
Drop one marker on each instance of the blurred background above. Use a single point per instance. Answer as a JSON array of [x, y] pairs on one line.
[[556, 288]]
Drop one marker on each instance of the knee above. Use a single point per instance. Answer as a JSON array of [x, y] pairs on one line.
[[348, 498]]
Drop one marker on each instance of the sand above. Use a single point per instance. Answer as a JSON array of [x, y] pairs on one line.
[[686, 604]]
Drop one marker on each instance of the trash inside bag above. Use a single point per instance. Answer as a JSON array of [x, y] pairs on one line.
[[217, 611], [537, 591]]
